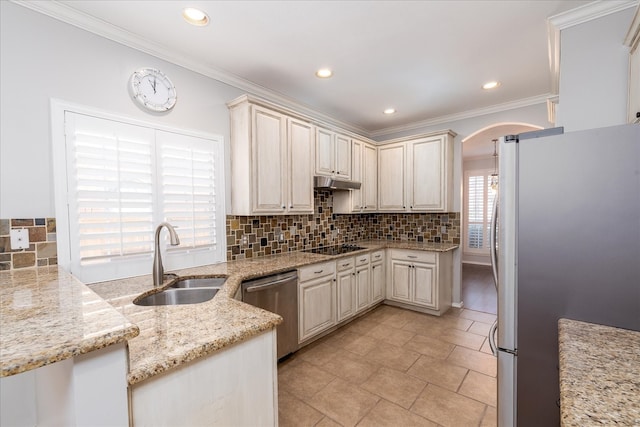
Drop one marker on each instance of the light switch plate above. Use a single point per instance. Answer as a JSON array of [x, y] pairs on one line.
[[19, 238]]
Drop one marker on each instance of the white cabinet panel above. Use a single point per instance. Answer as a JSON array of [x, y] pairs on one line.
[[369, 177], [426, 174], [300, 179], [343, 157], [333, 154], [346, 293], [317, 306], [363, 285], [268, 160], [401, 280], [391, 178]]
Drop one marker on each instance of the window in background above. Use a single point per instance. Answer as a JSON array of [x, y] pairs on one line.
[[479, 203], [121, 180]]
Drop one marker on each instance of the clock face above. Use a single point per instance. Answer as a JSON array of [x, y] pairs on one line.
[[153, 89]]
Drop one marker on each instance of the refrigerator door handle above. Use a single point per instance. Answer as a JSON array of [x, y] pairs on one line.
[[492, 338], [492, 242]]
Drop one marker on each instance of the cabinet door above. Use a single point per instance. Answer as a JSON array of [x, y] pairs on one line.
[[401, 275], [346, 289], [425, 282], [269, 160], [343, 156], [317, 303], [426, 183], [369, 177], [363, 284], [300, 178], [377, 282], [325, 152], [391, 190], [357, 176]]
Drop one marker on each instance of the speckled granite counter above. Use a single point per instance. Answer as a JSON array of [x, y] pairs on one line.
[[599, 375], [81, 321], [47, 316]]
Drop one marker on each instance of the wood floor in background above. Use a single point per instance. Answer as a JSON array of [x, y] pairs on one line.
[[478, 289]]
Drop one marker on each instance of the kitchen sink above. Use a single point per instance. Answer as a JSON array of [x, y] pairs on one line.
[[176, 296], [200, 282]]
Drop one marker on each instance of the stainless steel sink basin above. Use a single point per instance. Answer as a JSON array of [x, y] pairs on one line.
[[175, 296], [200, 282]]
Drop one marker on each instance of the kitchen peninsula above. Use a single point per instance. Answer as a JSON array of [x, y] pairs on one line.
[[174, 343]]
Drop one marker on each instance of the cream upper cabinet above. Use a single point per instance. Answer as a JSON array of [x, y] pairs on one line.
[[391, 177], [364, 169], [333, 154], [272, 156], [416, 175], [300, 152]]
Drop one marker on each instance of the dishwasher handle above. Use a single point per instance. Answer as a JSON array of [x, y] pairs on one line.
[[269, 284]]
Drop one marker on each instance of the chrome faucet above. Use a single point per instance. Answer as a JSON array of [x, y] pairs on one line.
[[158, 269]]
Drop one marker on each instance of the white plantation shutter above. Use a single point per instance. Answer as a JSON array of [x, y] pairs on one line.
[[123, 180], [479, 203]]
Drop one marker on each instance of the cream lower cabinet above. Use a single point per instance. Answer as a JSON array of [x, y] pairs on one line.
[[363, 282], [271, 161], [421, 280], [346, 288], [316, 299], [377, 277]]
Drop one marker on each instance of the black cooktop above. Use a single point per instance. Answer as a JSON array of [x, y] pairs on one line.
[[334, 250]]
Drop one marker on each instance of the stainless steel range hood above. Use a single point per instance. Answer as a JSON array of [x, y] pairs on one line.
[[329, 183]]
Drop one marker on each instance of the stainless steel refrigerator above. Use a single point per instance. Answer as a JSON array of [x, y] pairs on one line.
[[567, 245]]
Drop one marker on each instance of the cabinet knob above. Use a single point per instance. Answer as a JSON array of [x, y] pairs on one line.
[[290, 206], [333, 171], [284, 207], [404, 207]]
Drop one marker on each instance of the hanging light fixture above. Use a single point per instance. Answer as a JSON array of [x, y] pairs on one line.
[[493, 181]]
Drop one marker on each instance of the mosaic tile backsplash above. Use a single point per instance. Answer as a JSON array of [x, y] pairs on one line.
[[256, 236], [42, 249]]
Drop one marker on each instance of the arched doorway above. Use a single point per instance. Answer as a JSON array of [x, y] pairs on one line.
[[478, 164]]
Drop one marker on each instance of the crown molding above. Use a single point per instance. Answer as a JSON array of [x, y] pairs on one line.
[[526, 102], [570, 18], [71, 16]]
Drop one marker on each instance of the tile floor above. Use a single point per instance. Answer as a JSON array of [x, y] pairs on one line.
[[394, 367]]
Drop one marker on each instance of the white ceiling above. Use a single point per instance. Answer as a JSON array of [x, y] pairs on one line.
[[427, 59]]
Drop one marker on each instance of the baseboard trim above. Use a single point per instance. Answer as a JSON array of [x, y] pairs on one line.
[[457, 304], [477, 263]]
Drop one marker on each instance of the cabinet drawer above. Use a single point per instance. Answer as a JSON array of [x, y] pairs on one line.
[[377, 256], [408, 255], [345, 264], [362, 259], [316, 270]]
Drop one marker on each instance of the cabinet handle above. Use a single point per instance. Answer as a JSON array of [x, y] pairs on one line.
[[345, 265], [412, 256], [363, 260], [318, 272], [377, 256]]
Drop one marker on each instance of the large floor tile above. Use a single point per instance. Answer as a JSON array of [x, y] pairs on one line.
[[343, 402], [474, 360], [295, 413], [480, 328], [438, 372], [327, 422], [350, 367], [480, 387], [360, 344], [392, 356], [429, 346], [303, 379], [462, 338], [478, 316], [395, 386], [318, 354], [447, 408], [386, 414], [490, 417]]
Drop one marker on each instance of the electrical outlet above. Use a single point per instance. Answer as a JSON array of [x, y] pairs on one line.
[[443, 229], [19, 238], [245, 240], [419, 229], [280, 237]]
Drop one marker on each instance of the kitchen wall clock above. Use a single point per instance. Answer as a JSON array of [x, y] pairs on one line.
[[153, 90]]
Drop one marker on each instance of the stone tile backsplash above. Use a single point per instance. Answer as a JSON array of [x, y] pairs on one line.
[[42, 249], [256, 236]]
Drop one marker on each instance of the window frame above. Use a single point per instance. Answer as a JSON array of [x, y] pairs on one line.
[[188, 258], [485, 250]]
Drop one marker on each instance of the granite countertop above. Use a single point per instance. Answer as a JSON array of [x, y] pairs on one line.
[[46, 316], [50, 328], [599, 375]]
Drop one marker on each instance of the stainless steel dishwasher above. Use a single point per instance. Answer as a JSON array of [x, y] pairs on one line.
[[278, 294]]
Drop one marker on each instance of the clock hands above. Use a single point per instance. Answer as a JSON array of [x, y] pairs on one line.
[[153, 84]]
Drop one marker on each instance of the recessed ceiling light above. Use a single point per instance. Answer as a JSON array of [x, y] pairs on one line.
[[324, 73], [195, 16], [490, 85], [389, 111]]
